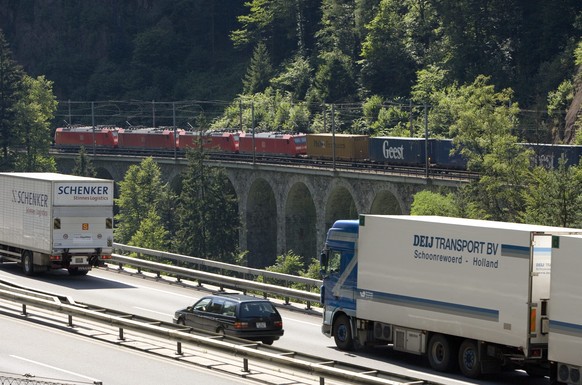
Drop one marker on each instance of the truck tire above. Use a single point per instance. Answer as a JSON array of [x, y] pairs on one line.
[[27, 263], [76, 271], [342, 333], [535, 371], [442, 354], [469, 361]]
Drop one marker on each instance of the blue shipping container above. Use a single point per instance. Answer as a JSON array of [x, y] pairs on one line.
[[398, 151]]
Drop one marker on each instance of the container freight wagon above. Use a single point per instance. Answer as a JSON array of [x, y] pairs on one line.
[[442, 154], [399, 151], [462, 292], [347, 147], [549, 155], [565, 337], [53, 221]]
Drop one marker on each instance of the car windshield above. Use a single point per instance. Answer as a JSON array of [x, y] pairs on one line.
[[257, 309], [202, 305]]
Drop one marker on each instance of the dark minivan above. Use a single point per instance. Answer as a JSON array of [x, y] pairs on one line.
[[235, 315]]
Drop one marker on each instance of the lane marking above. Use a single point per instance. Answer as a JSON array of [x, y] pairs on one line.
[[140, 286], [303, 322], [55, 368], [153, 311], [164, 291]]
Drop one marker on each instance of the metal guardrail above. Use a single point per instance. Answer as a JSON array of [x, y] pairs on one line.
[[245, 349], [248, 282], [27, 379]]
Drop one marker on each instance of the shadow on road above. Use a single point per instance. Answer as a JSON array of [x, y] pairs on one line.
[[420, 364], [63, 278]]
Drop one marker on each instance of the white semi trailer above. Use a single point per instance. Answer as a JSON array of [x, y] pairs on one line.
[[466, 293], [565, 337], [55, 221]]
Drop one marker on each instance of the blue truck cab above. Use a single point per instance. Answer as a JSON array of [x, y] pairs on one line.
[[339, 272]]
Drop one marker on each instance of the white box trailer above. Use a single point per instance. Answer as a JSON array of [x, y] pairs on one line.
[[54, 221], [565, 337], [464, 292]]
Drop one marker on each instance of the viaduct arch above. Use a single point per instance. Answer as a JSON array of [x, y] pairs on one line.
[[288, 208]]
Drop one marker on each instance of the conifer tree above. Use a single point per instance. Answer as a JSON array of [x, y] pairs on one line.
[[83, 164], [11, 89], [207, 213], [141, 191], [150, 234], [259, 71]]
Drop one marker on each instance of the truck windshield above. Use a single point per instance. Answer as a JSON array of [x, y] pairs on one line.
[[334, 261]]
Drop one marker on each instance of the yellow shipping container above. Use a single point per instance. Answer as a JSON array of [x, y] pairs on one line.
[[347, 146]]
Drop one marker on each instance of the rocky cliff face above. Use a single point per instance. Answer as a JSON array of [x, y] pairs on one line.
[[574, 113]]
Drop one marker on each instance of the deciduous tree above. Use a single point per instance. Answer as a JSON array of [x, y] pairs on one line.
[[434, 203], [553, 197], [35, 110], [482, 124]]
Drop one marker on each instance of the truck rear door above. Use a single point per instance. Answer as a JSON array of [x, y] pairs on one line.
[[82, 228]]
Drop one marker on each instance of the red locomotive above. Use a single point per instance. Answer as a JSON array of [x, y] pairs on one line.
[[270, 143], [148, 139], [211, 141], [73, 137]]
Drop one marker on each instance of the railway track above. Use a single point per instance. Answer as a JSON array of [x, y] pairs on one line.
[[323, 164]]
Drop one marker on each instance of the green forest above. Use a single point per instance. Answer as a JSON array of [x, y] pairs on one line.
[[488, 74], [379, 57]]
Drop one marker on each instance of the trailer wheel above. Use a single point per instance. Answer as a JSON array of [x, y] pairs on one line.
[[469, 361], [76, 271], [441, 353], [342, 333], [27, 263], [535, 371]]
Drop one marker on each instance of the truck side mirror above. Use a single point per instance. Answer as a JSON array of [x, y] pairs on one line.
[[323, 260]]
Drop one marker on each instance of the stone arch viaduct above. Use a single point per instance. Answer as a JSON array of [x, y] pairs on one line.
[[286, 208]]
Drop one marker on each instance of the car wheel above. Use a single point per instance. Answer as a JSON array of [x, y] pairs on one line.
[[220, 331], [268, 341], [181, 321], [342, 333]]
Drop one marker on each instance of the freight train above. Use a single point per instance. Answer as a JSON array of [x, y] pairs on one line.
[[394, 151]]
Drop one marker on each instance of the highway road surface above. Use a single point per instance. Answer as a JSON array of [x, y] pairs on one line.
[[33, 348]]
